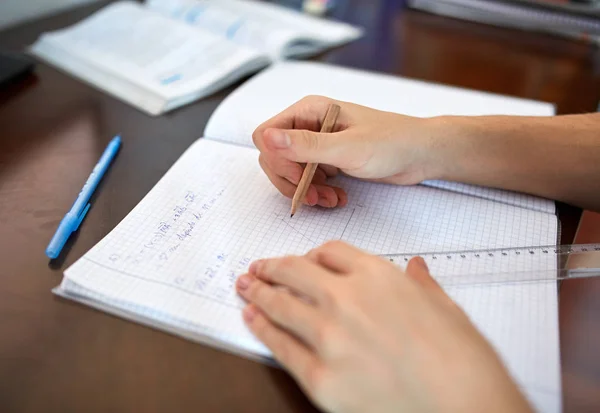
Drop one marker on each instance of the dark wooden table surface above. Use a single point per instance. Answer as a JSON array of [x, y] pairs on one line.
[[56, 356]]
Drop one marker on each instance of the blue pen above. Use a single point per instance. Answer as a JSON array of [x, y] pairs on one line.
[[71, 221]]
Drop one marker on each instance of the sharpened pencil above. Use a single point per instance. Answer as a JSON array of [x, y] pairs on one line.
[[310, 168]]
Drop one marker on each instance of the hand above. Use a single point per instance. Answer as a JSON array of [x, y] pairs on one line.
[[361, 335], [366, 143]]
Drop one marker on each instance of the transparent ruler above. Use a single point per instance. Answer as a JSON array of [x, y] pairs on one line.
[[509, 265]]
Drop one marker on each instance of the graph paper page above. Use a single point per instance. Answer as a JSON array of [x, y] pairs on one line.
[[271, 91], [174, 259]]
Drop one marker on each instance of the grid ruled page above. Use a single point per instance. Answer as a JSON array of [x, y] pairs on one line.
[[521, 323], [174, 259]]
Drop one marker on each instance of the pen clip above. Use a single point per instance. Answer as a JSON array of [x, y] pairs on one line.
[[80, 217]]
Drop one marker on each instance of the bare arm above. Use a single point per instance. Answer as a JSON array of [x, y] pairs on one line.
[[553, 157]]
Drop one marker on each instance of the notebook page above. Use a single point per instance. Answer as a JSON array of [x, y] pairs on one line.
[[529, 348], [285, 83], [270, 28], [174, 259], [147, 50], [524, 333], [509, 197]]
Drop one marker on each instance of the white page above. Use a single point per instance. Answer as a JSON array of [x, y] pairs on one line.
[[174, 259], [278, 87], [273, 29], [155, 53]]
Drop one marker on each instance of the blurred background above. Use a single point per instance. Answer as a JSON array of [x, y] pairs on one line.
[[16, 11], [53, 128]]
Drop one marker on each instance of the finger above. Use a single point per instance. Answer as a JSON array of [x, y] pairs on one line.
[[284, 309], [320, 177], [292, 171], [301, 145], [312, 196], [286, 187], [329, 197], [329, 170], [342, 196], [299, 360], [308, 113], [418, 271], [297, 273], [336, 256]]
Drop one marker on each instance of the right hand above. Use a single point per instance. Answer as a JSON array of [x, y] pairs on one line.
[[366, 143]]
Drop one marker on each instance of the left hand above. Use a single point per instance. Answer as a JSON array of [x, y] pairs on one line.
[[361, 335]]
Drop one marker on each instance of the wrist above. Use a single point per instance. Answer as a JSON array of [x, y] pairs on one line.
[[446, 140]]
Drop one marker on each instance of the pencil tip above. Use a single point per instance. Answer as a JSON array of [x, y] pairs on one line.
[[292, 215]]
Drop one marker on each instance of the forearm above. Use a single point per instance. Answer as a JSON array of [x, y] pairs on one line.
[[553, 157]]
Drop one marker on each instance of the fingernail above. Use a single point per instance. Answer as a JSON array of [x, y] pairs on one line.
[[255, 267], [280, 139], [244, 282], [422, 263], [249, 313], [324, 202]]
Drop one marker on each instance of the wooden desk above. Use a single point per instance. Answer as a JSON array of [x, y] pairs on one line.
[[56, 356]]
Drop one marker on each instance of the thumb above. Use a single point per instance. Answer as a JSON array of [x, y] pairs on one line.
[[300, 145], [418, 271]]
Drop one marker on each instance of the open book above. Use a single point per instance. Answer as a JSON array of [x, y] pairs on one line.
[[172, 262], [164, 54]]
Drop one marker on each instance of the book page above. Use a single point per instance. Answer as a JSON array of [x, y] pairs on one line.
[[272, 29], [283, 84], [148, 50], [175, 258]]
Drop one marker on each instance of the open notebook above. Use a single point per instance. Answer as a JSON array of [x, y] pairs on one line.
[[163, 54], [172, 262]]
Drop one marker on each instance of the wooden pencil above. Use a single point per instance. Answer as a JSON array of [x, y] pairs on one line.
[[309, 170]]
